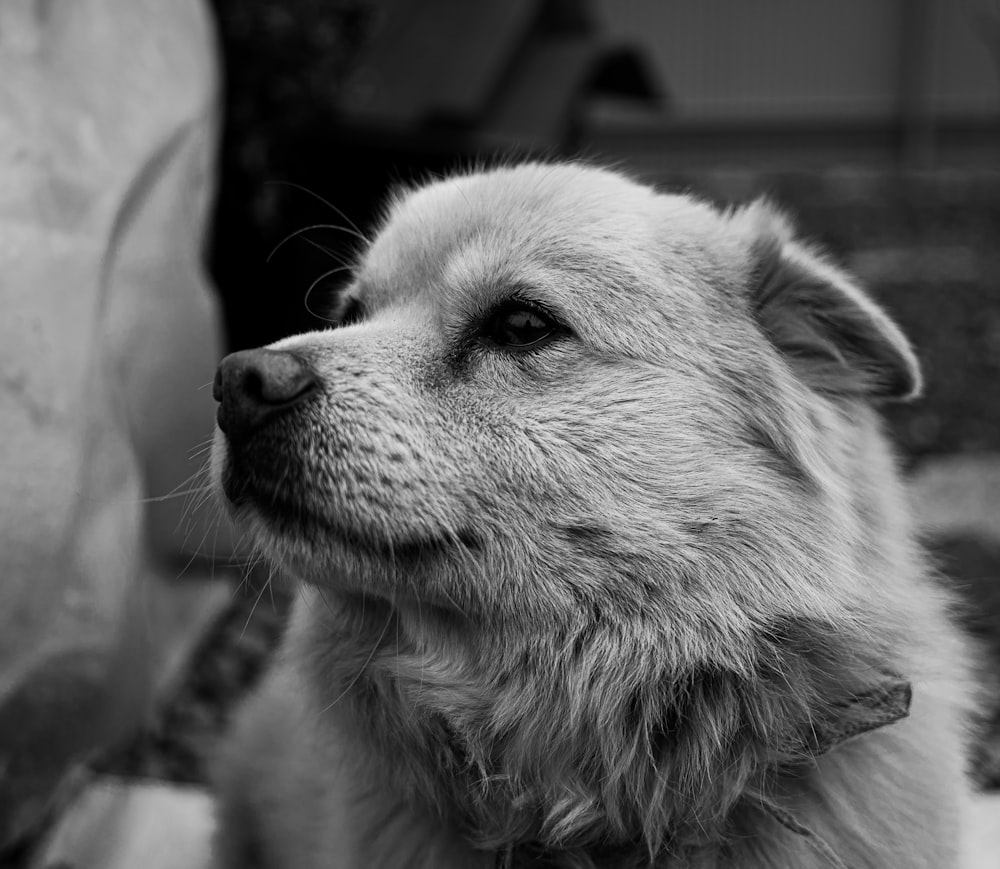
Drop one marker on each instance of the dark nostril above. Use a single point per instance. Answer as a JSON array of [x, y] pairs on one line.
[[284, 378], [252, 386], [217, 384]]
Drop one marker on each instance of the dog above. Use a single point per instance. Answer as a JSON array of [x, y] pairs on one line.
[[605, 557]]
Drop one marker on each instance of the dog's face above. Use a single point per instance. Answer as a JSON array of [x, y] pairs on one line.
[[586, 440]]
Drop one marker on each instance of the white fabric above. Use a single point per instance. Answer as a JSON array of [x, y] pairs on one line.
[[107, 325]]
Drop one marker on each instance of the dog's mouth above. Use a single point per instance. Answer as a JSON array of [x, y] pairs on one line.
[[296, 519]]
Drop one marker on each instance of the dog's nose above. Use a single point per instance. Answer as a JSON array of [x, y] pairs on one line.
[[252, 386]]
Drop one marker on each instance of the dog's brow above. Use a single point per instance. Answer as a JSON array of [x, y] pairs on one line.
[[500, 292]]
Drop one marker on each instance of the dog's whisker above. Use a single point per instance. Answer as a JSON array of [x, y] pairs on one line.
[[270, 587], [197, 551], [181, 490], [314, 226], [253, 608], [327, 203], [200, 451], [314, 284], [329, 606], [172, 496], [371, 656]]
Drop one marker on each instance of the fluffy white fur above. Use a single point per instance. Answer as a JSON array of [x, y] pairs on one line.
[[616, 602]]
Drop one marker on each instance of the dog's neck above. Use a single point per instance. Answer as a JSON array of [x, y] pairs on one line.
[[634, 855], [426, 759]]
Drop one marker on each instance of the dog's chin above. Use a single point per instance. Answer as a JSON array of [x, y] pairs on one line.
[[318, 549]]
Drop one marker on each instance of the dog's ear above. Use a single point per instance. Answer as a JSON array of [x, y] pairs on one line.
[[837, 339]]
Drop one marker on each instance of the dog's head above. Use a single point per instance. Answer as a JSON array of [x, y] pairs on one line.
[[608, 458]]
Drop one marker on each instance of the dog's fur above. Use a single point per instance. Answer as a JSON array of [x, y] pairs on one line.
[[618, 601]]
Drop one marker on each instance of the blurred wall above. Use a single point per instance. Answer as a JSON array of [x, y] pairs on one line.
[[108, 117], [814, 60]]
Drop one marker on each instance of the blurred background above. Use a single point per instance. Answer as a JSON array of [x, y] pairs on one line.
[[347, 98], [228, 158]]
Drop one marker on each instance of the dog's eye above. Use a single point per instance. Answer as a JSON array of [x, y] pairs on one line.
[[353, 313], [517, 327]]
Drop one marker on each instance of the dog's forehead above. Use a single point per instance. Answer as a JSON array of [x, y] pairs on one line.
[[507, 227]]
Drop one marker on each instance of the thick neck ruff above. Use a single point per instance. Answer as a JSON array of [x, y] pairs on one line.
[[884, 705]]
